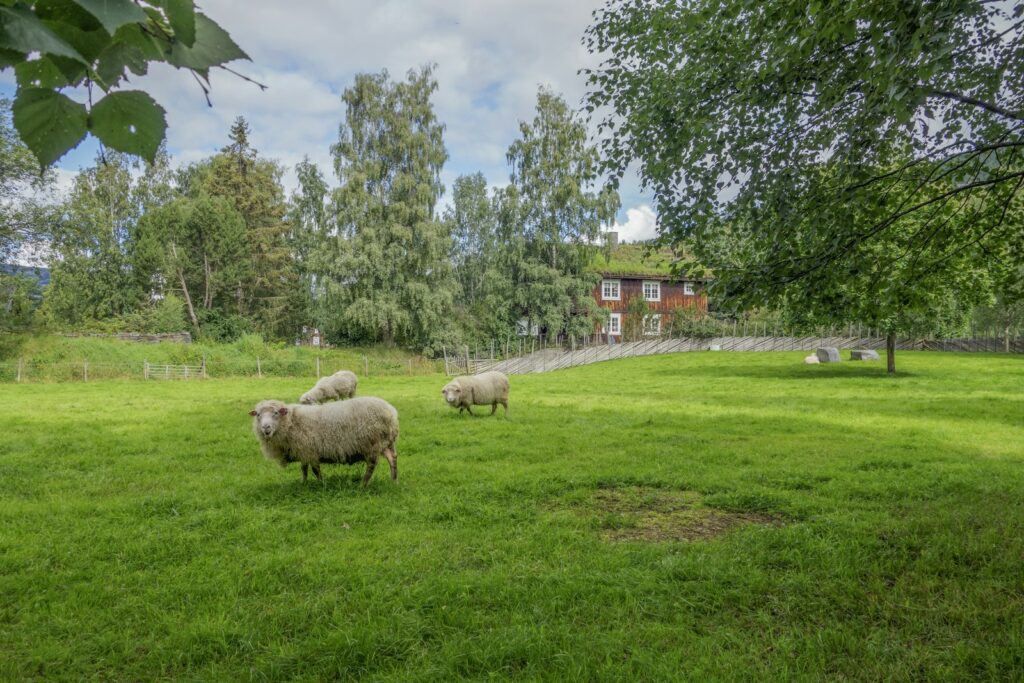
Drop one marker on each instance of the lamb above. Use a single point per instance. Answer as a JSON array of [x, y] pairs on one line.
[[340, 385], [488, 388], [811, 360], [343, 432]]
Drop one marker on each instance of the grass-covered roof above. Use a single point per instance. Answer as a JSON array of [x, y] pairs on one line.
[[633, 259]]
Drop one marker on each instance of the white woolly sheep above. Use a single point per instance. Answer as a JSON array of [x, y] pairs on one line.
[[340, 385], [488, 388], [344, 432], [811, 360]]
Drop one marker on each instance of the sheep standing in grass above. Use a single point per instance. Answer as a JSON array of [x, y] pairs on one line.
[[488, 388], [340, 385], [343, 432]]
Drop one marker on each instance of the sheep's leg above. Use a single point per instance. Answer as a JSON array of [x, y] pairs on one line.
[[371, 463], [504, 402], [494, 407], [469, 410], [305, 472], [316, 471], [392, 457]]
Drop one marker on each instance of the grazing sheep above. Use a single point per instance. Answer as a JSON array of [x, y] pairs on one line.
[[341, 384], [344, 432], [488, 388], [812, 359]]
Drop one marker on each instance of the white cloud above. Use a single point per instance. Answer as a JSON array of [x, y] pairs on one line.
[[491, 57], [641, 224]]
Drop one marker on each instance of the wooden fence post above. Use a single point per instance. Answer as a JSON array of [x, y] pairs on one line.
[[20, 361], [259, 368], [444, 350], [318, 367], [145, 369], [85, 370], [366, 367], [204, 366]]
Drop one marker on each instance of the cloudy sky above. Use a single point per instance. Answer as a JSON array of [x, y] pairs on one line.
[[491, 56]]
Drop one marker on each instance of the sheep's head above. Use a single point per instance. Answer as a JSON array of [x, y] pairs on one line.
[[267, 417], [306, 399], [452, 393]]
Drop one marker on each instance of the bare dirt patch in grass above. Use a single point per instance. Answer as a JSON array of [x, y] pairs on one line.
[[637, 513]]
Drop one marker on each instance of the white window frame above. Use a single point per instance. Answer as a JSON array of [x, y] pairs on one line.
[[688, 288], [656, 285], [604, 290], [655, 329], [614, 328]]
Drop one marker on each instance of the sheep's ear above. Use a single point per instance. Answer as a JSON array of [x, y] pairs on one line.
[[253, 413], [283, 411]]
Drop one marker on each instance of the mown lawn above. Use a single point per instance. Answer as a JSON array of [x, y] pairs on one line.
[[878, 529]]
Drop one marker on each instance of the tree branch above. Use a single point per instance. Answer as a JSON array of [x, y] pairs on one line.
[[973, 101]]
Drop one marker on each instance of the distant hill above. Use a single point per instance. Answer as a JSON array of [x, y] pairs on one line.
[[40, 273]]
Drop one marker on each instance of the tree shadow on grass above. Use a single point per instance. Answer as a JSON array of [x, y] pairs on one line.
[[859, 370]]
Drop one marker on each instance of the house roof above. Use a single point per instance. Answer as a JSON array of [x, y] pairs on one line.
[[636, 261]]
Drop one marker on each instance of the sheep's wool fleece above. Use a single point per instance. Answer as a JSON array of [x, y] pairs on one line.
[[342, 432], [341, 384], [483, 389]]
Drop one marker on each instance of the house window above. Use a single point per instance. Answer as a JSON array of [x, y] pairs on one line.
[[688, 288], [610, 290], [652, 324], [652, 291], [614, 324]]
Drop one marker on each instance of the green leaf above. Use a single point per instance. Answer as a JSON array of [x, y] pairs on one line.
[[113, 13], [133, 35], [10, 58], [213, 47], [129, 121], [182, 16], [74, 72], [48, 122], [40, 73], [112, 62], [21, 30], [89, 44]]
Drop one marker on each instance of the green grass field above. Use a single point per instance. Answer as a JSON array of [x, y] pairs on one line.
[[696, 516]]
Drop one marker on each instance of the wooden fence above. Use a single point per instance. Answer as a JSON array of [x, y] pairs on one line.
[[558, 357]]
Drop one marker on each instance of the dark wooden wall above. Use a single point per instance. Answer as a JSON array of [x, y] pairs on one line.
[[672, 296]]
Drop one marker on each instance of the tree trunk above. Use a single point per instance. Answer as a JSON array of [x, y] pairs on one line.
[[184, 288], [207, 299], [890, 351]]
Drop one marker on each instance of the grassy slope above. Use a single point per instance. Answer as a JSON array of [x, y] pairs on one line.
[[145, 537], [58, 358]]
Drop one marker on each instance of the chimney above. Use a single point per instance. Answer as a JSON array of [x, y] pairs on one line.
[[611, 238]]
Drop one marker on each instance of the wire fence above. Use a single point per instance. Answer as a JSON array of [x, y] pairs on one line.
[[85, 370]]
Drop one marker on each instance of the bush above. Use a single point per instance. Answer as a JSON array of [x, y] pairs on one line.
[[222, 327], [165, 316]]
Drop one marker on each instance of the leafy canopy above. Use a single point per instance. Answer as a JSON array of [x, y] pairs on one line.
[[53, 45], [788, 118]]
